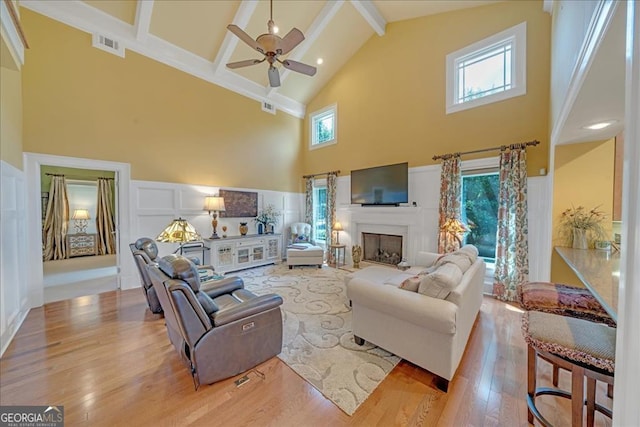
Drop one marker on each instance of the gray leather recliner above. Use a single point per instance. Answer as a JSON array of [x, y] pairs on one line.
[[219, 333], [145, 252]]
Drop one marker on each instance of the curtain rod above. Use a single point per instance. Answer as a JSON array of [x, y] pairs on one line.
[[318, 174], [86, 178], [501, 148]]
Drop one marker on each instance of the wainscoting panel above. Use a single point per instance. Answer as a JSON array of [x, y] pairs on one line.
[[14, 302], [155, 204], [539, 192]]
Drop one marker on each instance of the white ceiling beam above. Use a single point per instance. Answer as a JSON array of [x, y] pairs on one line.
[[81, 16], [371, 14], [315, 30], [241, 19], [143, 19], [10, 33]]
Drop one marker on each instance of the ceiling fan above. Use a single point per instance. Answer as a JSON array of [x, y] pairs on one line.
[[272, 47]]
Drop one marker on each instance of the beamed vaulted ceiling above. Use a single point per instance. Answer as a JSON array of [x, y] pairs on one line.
[[191, 35]]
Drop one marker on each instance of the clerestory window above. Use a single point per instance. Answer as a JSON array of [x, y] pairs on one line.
[[491, 70], [324, 127]]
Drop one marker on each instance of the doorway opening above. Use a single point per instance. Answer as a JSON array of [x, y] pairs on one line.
[[84, 271], [85, 268]]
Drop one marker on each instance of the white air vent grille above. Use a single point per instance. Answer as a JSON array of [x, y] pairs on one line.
[[108, 44], [268, 107]]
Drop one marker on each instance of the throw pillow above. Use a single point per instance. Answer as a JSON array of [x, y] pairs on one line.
[[470, 251], [460, 259], [411, 283], [441, 282]]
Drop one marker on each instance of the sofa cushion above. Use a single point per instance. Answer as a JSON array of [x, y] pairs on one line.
[[440, 283], [396, 279], [462, 260]]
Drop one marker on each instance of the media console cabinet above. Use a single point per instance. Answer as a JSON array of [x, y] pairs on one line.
[[239, 252]]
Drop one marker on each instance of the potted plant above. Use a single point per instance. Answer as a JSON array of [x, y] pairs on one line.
[[267, 218], [579, 226]]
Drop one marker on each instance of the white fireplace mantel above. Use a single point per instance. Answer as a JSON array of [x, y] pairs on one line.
[[406, 221]]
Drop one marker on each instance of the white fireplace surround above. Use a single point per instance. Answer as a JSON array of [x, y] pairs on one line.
[[398, 221]]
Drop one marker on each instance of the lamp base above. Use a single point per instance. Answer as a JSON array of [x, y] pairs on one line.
[[214, 236]]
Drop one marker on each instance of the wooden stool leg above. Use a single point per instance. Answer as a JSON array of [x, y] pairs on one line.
[[591, 401], [610, 391], [556, 373], [531, 379], [577, 395]]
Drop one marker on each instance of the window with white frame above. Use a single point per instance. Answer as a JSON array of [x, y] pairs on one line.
[[491, 70], [320, 213], [324, 127], [479, 210]]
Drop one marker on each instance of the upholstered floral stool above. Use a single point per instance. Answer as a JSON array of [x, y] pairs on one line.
[[565, 300], [562, 299], [585, 348]]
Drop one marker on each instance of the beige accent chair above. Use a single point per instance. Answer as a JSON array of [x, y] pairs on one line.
[[302, 251]]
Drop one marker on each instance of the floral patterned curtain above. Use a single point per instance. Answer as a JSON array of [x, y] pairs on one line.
[[308, 205], [332, 177], [512, 250], [450, 194], [104, 218], [56, 221], [331, 205]]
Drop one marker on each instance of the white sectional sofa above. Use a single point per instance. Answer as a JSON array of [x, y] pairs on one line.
[[429, 332]]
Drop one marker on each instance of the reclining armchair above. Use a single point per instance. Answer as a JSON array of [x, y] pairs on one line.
[[219, 333], [145, 252]]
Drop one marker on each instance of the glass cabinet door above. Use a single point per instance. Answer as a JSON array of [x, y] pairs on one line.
[[273, 248], [258, 253], [244, 256], [224, 255]]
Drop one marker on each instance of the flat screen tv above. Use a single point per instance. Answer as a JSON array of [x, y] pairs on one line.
[[382, 185]]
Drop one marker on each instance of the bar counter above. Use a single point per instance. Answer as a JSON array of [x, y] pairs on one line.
[[599, 271]]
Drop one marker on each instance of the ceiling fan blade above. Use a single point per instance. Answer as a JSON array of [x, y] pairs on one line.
[[291, 40], [245, 37], [299, 67], [245, 63], [274, 77]]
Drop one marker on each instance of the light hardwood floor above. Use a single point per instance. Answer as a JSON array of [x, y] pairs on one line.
[[108, 360]]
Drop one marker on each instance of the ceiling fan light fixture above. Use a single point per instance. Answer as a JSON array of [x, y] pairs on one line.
[[272, 46]]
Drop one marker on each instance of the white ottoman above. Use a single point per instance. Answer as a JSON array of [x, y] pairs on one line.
[[305, 254]]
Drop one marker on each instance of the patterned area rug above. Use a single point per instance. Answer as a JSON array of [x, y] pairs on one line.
[[318, 342]]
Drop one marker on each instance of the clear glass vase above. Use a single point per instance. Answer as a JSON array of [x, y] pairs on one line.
[[580, 239]]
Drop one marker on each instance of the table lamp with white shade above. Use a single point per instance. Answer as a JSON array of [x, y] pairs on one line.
[[214, 204]]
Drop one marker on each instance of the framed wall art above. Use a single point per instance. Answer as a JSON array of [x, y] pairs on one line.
[[239, 204]]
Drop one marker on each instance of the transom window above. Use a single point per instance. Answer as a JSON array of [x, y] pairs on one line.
[[324, 127], [488, 71]]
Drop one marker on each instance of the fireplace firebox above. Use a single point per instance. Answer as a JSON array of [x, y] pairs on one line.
[[381, 248]]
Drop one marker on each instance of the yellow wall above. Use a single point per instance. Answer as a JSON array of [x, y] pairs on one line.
[[82, 102], [583, 177], [10, 111], [391, 94]]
